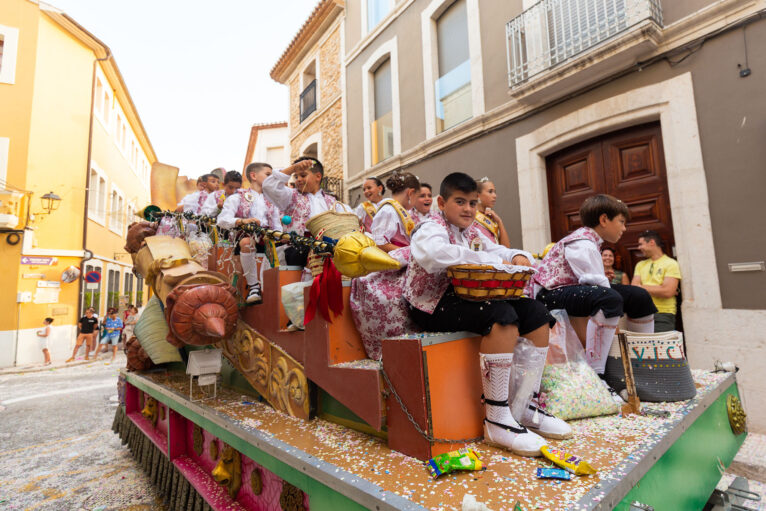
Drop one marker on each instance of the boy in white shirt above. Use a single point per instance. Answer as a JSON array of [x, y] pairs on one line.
[[213, 205], [451, 238], [301, 203], [193, 202], [571, 277], [248, 206]]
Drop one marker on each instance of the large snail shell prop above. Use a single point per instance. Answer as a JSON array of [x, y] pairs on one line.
[[201, 315]]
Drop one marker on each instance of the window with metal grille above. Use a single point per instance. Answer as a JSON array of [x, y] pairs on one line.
[[309, 100]]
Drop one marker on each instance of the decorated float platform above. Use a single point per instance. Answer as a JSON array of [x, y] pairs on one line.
[[228, 408], [662, 462]]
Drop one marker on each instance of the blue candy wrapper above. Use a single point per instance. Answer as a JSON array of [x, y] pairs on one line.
[[553, 473]]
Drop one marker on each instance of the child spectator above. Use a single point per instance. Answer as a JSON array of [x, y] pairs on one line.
[[421, 207], [571, 277], [614, 275], [659, 275], [250, 206], [43, 336], [490, 224], [301, 203], [373, 191], [112, 329], [214, 202], [392, 225], [448, 239]]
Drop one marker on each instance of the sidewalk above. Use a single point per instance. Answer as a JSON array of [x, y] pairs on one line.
[[60, 364], [750, 461]]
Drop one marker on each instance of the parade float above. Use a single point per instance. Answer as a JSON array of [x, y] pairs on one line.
[[227, 408]]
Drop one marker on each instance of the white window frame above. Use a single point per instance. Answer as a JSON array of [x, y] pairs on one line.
[[130, 213], [428, 19], [100, 114], [10, 51], [5, 144], [386, 50], [99, 219], [121, 227], [307, 63], [365, 29]]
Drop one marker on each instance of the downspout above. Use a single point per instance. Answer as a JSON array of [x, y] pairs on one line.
[[87, 254]]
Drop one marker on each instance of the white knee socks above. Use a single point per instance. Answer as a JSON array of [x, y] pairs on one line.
[[644, 325], [495, 374], [600, 335], [249, 267]]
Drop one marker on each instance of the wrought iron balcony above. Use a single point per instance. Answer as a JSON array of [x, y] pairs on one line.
[[554, 31], [308, 100]]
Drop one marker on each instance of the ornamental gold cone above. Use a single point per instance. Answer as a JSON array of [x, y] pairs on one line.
[[356, 255]]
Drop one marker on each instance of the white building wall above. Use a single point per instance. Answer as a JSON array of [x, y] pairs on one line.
[[267, 147]]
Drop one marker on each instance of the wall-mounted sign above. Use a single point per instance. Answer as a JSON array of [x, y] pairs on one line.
[[48, 283], [38, 261], [93, 277]]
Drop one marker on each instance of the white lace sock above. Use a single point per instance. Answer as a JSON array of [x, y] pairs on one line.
[[249, 267], [599, 337], [496, 372], [643, 325]]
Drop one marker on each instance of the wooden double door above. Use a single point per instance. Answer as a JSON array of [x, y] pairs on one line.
[[628, 164]]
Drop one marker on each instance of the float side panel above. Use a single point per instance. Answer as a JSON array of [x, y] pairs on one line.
[[321, 497], [686, 475]]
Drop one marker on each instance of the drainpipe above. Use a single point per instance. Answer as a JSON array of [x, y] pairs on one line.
[[87, 254]]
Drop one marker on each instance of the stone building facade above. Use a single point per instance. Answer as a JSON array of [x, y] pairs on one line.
[[311, 67]]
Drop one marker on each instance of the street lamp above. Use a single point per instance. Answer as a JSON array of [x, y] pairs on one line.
[[50, 202]]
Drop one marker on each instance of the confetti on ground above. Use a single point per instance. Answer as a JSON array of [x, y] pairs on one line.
[[612, 444]]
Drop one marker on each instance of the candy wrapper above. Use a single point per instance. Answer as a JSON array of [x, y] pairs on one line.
[[568, 462], [553, 473], [462, 459]]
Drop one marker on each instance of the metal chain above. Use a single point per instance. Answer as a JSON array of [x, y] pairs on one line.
[[416, 425]]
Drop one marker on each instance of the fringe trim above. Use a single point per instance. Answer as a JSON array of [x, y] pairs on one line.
[[178, 494]]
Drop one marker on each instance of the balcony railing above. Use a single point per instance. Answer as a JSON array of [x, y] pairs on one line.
[[308, 100], [554, 31]]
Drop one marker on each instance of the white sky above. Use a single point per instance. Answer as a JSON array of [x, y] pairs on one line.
[[198, 71]]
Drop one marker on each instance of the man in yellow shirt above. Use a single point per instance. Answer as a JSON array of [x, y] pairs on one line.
[[660, 276]]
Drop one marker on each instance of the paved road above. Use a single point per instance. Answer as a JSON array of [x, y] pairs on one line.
[[57, 450]]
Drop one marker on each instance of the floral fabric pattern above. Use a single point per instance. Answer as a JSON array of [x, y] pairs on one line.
[[554, 271], [300, 210]]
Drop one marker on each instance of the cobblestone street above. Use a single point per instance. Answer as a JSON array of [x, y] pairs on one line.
[[58, 450]]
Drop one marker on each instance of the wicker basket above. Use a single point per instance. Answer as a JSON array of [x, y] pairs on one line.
[[333, 224], [479, 282]]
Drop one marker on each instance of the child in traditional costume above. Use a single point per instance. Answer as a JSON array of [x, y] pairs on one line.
[[393, 224], [301, 203], [421, 206], [451, 238], [213, 205], [373, 191], [489, 223], [193, 202], [376, 299], [571, 277], [247, 206]]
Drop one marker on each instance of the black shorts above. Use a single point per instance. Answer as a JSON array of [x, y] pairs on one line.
[[453, 314], [296, 256], [584, 301]]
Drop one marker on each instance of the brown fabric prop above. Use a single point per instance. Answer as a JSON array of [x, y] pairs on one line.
[[201, 315], [136, 234], [138, 360]]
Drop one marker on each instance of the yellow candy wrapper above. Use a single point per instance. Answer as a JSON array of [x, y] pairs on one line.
[[568, 462]]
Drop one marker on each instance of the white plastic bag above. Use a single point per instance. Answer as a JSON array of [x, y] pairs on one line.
[[573, 389], [292, 301], [200, 246]]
